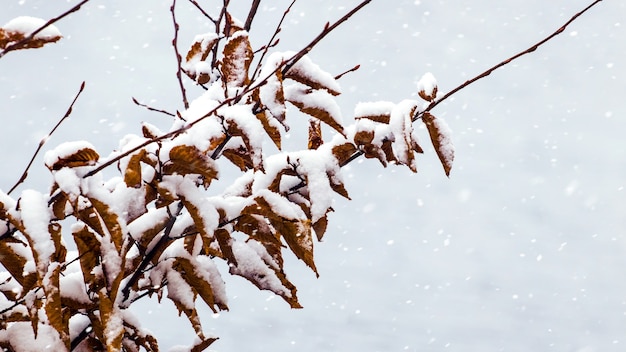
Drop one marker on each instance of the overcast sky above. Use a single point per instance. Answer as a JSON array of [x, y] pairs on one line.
[[523, 248]]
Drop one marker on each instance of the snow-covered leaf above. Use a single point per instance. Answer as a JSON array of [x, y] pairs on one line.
[[71, 154], [317, 103], [21, 27], [258, 267], [311, 75], [427, 87], [185, 160], [195, 65], [440, 135], [237, 59]]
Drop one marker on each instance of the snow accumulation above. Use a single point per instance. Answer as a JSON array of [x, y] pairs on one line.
[[427, 83], [27, 25], [36, 217], [65, 150]]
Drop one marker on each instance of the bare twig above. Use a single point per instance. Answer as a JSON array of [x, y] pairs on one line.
[[29, 37], [505, 62], [272, 41], [153, 109], [348, 71], [179, 68], [45, 139], [327, 29], [203, 12], [253, 8]]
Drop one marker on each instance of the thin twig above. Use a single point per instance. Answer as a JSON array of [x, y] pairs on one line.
[[45, 139], [271, 42], [179, 68], [153, 109], [505, 62], [29, 37], [253, 8], [348, 71], [203, 12], [327, 29]]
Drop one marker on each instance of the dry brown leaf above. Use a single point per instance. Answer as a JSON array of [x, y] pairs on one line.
[[185, 159], [202, 287], [343, 152], [9, 37], [305, 102], [315, 134], [199, 51], [89, 255], [112, 333], [238, 56], [82, 157], [132, 174], [440, 139]]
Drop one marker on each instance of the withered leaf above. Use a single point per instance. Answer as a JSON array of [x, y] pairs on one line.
[[81, 157], [440, 137], [316, 103], [315, 134], [185, 159], [237, 59], [343, 152]]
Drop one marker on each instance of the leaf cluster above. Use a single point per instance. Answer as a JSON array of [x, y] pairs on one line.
[[158, 230]]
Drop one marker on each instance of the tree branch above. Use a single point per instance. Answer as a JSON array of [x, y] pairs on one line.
[[253, 8], [505, 62], [327, 29], [45, 139], [179, 68]]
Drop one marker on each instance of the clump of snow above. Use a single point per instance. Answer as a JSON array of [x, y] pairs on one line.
[[65, 150], [251, 265], [376, 108], [27, 25], [36, 216], [428, 85]]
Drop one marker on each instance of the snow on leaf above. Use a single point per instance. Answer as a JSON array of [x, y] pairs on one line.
[[427, 87], [195, 65], [111, 322], [21, 27], [88, 248], [71, 154], [242, 123], [185, 159], [317, 103], [272, 95], [237, 58], [13, 258], [35, 218], [343, 152], [200, 281], [440, 136], [401, 126], [250, 265], [52, 306], [379, 111], [311, 75]]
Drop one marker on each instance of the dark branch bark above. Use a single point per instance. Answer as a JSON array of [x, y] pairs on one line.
[[45, 139], [507, 61]]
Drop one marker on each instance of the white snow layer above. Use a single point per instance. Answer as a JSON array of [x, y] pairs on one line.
[[26, 25]]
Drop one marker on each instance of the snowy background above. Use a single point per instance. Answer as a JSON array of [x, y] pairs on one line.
[[522, 249]]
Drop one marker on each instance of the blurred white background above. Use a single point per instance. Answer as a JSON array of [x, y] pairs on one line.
[[522, 249]]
